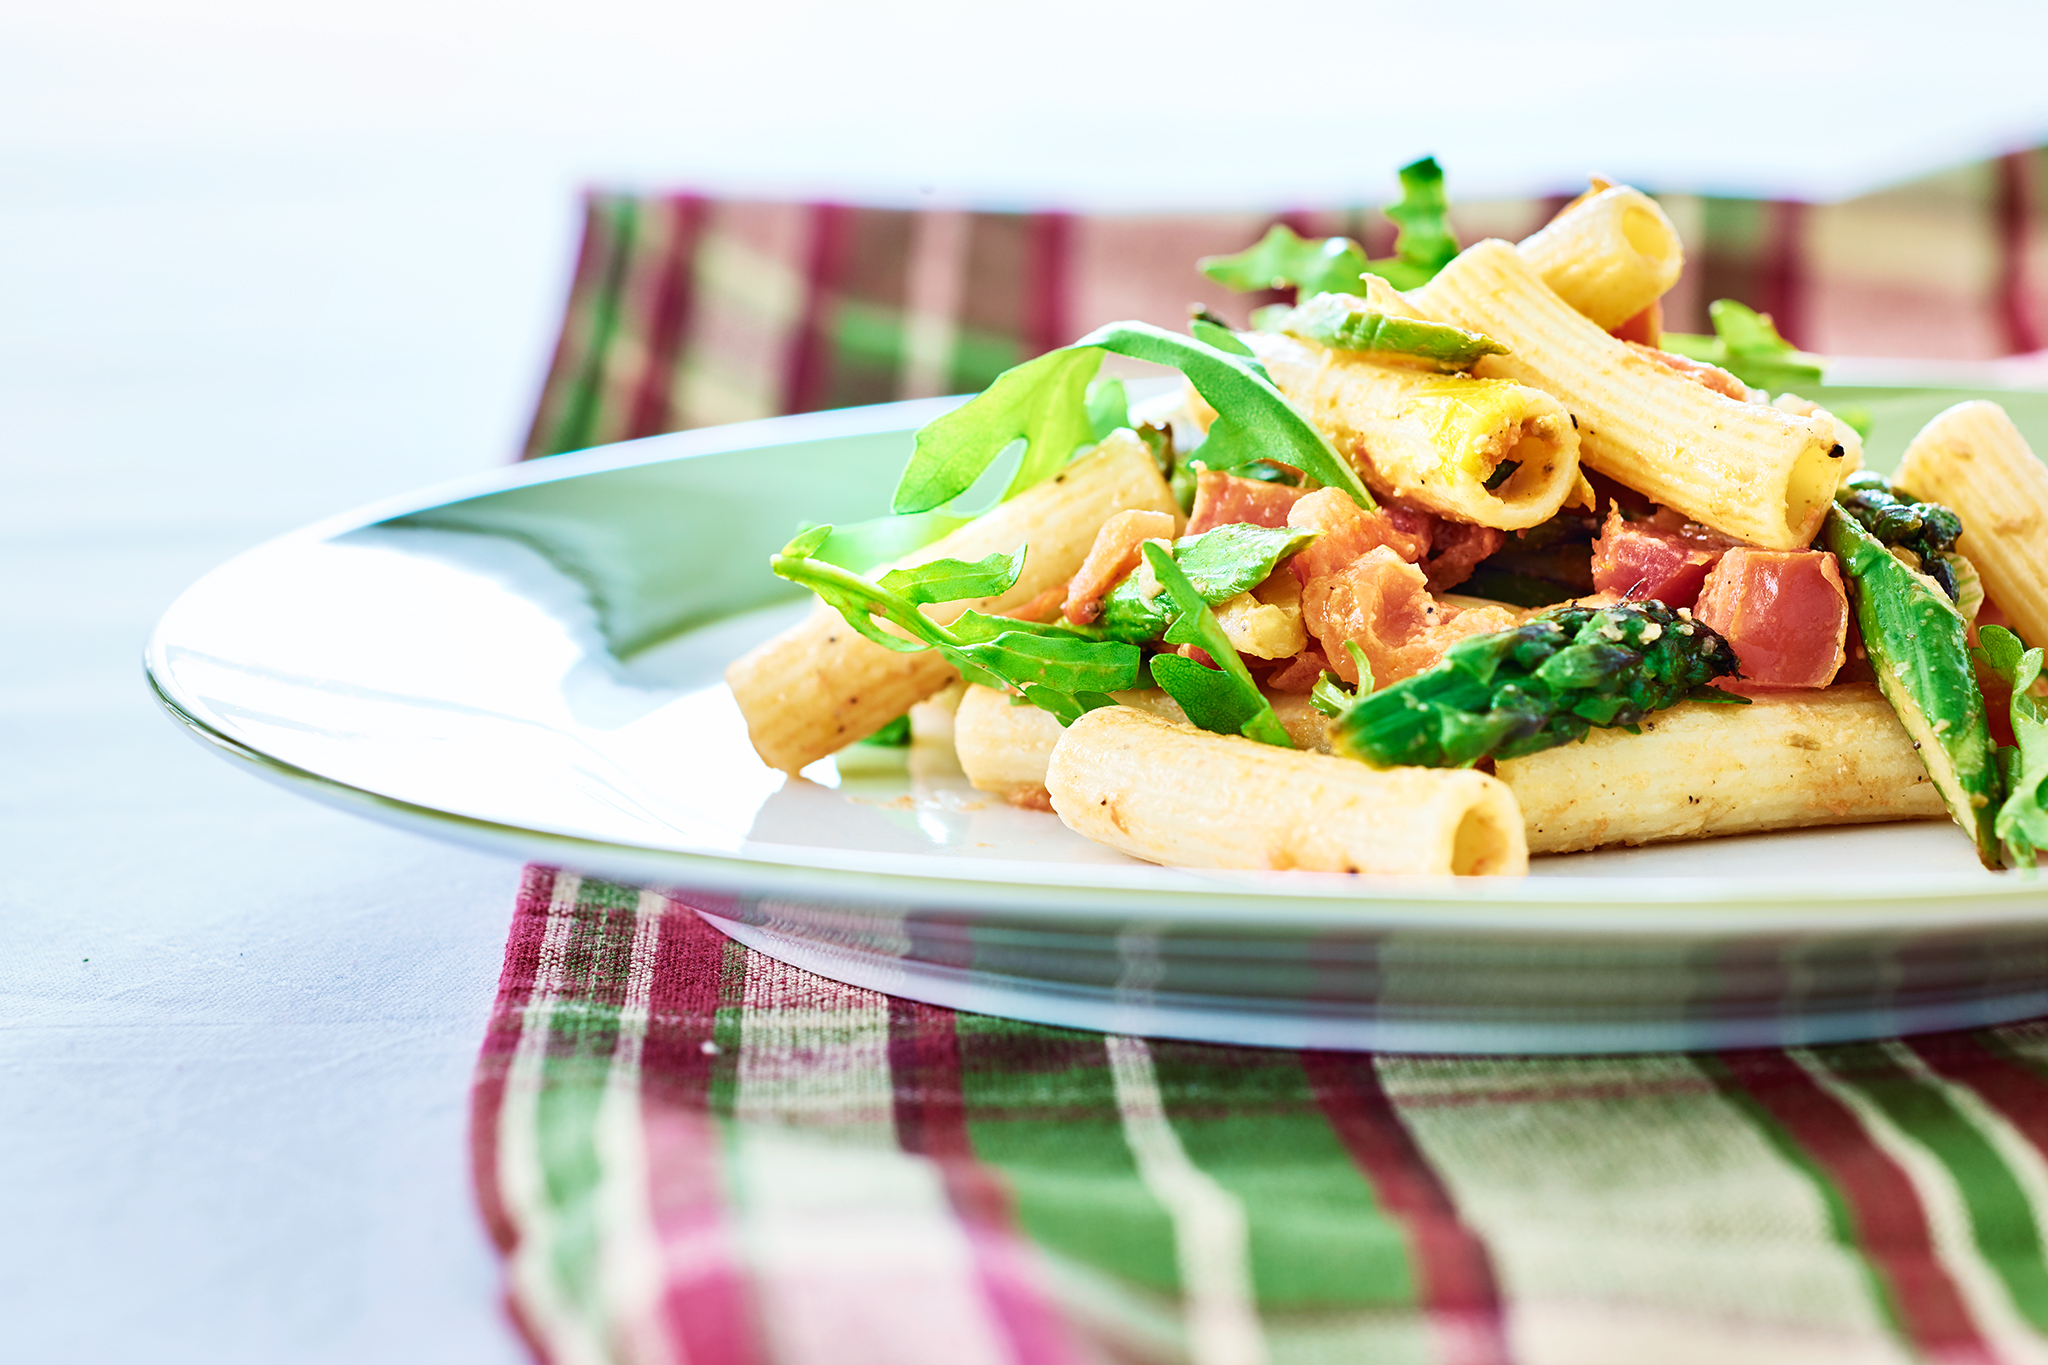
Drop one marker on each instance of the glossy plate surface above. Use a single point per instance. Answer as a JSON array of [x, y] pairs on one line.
[[532, 661]]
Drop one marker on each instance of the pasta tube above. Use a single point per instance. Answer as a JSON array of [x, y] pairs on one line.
[[819, 686], [1754, 472], [1006, 749], [1171, 794], [1433, 439], [1610, 256], [1785, 761], [1973, 460]]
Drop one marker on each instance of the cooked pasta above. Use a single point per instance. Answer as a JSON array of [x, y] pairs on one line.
[[1973, 459], [1610, 256], [1148, 787], [1434, 439], [1005, 748], [1786, 761], [1746, 469]]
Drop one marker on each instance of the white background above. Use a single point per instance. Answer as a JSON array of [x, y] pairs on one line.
[[260, 262]]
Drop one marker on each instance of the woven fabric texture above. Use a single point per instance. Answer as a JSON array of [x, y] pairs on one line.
[[687, 311], [690, 1152]]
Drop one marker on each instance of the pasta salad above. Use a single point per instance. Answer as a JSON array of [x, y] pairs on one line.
[[1455, 558]]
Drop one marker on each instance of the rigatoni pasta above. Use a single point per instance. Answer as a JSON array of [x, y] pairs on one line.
[[1148, 787], [1752, 471], [1435, 440], [1610, 256], [1973, 459], [1788, 760]]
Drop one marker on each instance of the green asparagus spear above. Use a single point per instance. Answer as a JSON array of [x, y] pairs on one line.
[[1927, 529], [1916, 641], [1544, 683]]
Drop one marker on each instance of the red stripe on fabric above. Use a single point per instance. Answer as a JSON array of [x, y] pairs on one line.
[[1458, 1289], [706, 1306], [931, 1121], [1891, 1225], [1048, 248], [810, 353], [501, 1039], [2015, 236], [668, 321], [1781, 274], [2015, 1090]]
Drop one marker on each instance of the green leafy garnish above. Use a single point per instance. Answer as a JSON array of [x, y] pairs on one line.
[[1423, 245], [1254, 420], [1045, 403], [1545, 682], [1219, 563], [1224, 699], [1330, 696], [1344, 322], [1282, 259], [1747, 346], [2022, 823], [1042, 402], [894, 735], [1109, 407], [1067, 670]]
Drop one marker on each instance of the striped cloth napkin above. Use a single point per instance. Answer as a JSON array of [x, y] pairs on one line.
[[695, 1155], [690, 1152], [686, 311]]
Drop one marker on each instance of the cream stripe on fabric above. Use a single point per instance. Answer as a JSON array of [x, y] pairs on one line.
[[630, 1259], [1635, 1214], [572, 1339], [931, 301], [1948, 1218], [1209, 1228], [857, 1258]]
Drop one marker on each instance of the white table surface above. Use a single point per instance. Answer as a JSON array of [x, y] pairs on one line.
[[262, 263]]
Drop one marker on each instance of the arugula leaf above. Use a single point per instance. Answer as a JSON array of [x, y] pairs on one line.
[[894, 735], [949, 580], [1343, 322], [2022, 823], [1064, 669], [1330, 696], [1109, 407], [1282, 258], [1747, 345], [1042, 402], [1223, 700], [1221, 563], [1425, 243], [1254, 419]]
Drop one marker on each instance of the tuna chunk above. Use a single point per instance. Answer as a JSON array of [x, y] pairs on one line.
[[1784, 611]]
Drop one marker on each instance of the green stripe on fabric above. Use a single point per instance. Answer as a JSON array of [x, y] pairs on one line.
[[1041, 1108], [582, 1037], [978, 357], [1841, 1222], [580, 413], [1318, 1237], [2002, 1220]]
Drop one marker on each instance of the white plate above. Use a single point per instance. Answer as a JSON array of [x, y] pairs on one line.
[[531, 661]]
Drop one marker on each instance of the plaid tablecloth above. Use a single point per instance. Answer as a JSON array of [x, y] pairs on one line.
[[690, 1152], [695, 1155]]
